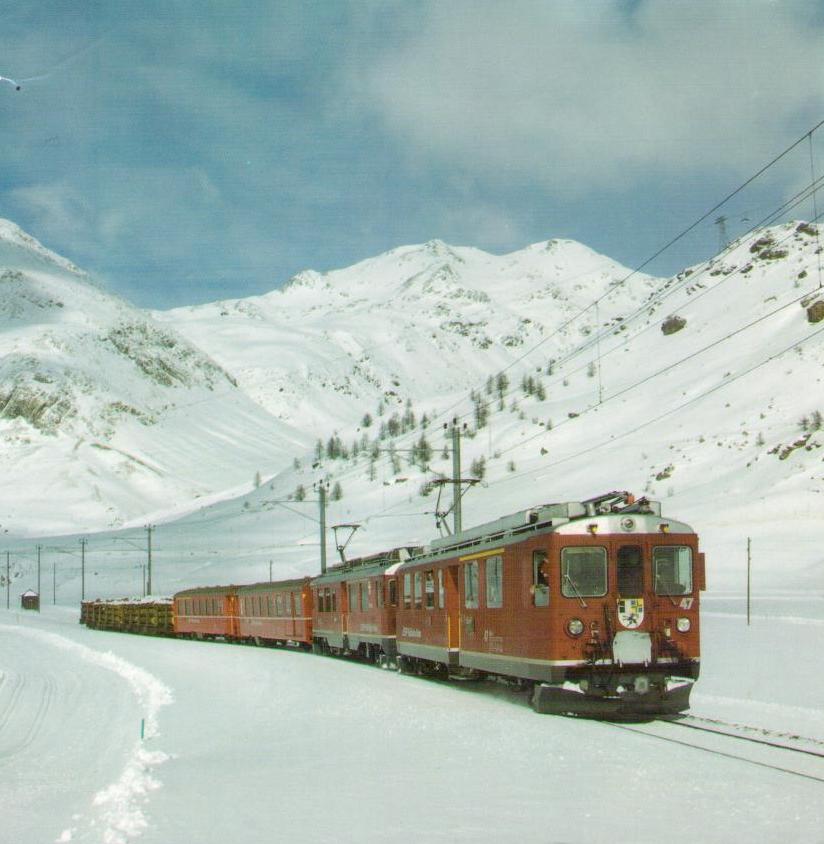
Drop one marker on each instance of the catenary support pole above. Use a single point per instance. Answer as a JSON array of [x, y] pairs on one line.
[[322, 504], [149, 560], [457, 518], [83, 542], [39, 547]]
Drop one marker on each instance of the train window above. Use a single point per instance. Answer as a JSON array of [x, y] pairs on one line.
[[407, 591], [418, 589], [429, 588], [393, 592], [471, 584], [494, 568], [333, 600], [540, 579], [379, 593], [365, 596], [672, 570], [287, 604], [353, 597], [630, 572], [298, 604], [441, 601], [583, 572]]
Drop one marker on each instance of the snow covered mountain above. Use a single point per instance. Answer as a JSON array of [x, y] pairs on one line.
[[104, 414], [419, 322], [572, 376]]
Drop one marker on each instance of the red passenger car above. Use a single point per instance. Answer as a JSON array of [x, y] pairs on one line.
[[206, 612], [276, 613], [355, 605], [592, 604]]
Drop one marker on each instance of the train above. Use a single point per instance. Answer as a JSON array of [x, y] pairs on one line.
[[591, 607]]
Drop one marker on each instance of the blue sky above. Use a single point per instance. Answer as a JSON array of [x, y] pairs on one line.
[[191, 151]]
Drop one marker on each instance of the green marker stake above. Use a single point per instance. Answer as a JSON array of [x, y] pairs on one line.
[[142, 728]]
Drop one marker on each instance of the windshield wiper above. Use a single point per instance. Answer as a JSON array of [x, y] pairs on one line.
[[659, 580], [574, 586]]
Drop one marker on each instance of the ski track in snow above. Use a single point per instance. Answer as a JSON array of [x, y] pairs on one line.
[[117, 809]]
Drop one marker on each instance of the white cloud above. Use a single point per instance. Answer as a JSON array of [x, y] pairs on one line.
[[588, 96]]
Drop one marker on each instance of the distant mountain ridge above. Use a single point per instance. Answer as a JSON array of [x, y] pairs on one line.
[[420, 322]]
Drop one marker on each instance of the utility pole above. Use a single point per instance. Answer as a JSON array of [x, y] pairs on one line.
[[721, 222], [83, 542], [457, 483], [322, 503], [8, 580], [38, 577], [457, 518], [270, 571], [149, 529]]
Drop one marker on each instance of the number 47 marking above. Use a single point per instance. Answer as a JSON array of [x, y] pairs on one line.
[[686, 603]]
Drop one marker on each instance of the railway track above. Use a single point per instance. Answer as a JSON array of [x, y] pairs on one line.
[[783, 752]]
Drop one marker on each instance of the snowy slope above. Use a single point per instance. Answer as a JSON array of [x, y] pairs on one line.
[[105, 414]]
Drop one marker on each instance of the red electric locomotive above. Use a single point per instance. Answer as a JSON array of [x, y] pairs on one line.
[[355, 605], [593, 605]]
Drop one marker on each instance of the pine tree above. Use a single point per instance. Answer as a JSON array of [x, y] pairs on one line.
[[423, 452], [337, 492]]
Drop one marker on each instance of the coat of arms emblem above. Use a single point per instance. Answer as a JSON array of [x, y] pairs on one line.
[[631, 612]]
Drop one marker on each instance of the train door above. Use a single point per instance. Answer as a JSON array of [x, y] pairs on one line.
[[452, 606], [470, 584], [630, 644], [232, 611]]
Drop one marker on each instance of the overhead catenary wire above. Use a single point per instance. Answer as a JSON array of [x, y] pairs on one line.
[[652, 420], [799, 197], [788, 204]]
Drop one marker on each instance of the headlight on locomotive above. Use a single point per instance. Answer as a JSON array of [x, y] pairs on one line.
[[683, 625], [575, 627]]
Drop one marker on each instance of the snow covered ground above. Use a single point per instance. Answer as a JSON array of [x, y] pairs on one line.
[[253, 745]]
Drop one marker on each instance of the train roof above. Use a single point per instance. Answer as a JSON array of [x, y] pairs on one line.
[[268, 585], [206, 590], [612, 512], [368, 566]]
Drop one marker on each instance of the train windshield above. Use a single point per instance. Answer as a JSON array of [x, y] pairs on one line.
[[583, 572], [672, 569]]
